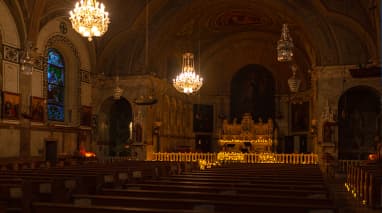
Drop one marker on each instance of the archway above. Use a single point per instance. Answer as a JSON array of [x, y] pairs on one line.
[[359, 110], [114, 130], [252, 91], [121, 115]]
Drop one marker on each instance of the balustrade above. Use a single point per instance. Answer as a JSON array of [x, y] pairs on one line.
[[365, 184], [238, 157]]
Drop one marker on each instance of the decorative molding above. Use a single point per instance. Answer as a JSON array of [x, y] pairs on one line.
[[85, 76], [39, 62], [61, 39], [11, 54]]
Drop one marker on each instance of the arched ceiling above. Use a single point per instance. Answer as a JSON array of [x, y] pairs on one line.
[[229, 34]]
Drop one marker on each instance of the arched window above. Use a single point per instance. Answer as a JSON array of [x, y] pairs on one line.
[[56, 86]]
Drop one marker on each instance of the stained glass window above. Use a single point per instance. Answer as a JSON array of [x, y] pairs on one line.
[[56, 89]]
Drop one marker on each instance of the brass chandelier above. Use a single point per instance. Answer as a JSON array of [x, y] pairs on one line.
[[188, 81], [89, 18], [285, 45], [26, 61]]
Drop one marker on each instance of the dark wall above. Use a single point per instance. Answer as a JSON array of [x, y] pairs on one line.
[[359, 110], [252, 91]]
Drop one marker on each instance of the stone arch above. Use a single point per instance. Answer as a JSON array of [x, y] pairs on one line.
[[358, 123], [72, 82], [114, 120], [50, 32]]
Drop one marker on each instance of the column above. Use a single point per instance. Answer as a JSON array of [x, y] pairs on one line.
[[25, 124]]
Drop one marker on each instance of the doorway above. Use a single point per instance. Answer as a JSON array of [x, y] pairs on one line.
[[51, 151]]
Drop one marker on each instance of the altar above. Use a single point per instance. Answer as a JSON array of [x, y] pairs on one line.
[[247, 136]]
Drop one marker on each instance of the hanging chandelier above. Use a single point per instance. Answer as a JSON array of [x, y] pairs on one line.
[[117, 91], [285, 45], [188, 81], [89, 18], [26, 61], [294, 82]]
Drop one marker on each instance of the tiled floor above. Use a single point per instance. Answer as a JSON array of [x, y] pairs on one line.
[[344, 200]]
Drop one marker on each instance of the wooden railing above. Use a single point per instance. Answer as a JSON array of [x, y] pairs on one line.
[[237, 157], [344, 165], [364, 182]]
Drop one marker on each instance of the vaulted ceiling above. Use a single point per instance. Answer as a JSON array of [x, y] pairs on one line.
[[225, 34]]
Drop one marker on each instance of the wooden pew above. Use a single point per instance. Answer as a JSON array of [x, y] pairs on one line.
[[182, 203], [225, 189], [252, 183], [229, 195], [39, 207]]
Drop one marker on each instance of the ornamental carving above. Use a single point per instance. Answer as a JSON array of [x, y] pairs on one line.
[[11, 54], [247, 136], [61, 39]]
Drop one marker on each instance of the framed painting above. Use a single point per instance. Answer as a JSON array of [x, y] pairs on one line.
[[300, 117], [11, 106], [37, 109], [86, 116]]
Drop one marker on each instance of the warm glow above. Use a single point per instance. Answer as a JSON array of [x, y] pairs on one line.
[[373, 156], [86, 154], [256, 141], [89, 18], [230, 156], [188, 81]]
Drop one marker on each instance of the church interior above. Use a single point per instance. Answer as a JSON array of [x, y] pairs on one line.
[[190, 106]]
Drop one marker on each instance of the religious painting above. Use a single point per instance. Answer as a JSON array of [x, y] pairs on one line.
[[11, 106], [203, 118], [37, 109], [86, 116], [300, 117]]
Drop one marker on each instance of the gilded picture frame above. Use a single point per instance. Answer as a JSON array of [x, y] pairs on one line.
[[11, 106]]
